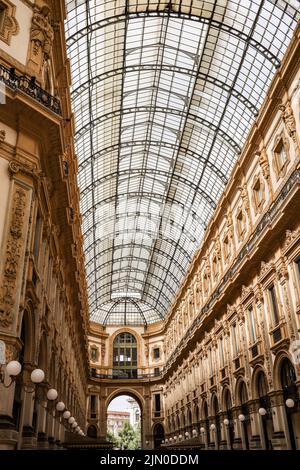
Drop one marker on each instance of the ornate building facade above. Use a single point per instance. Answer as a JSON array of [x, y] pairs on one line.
[[221, 369], [43, 305]]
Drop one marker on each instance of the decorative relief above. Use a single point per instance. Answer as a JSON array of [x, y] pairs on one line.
[[265, 269], [41, 37], [9, 26], [2, 136], [290, 237], [289, 120], [16, 166], [12, 258]]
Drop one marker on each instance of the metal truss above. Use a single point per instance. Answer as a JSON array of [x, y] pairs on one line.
[[164, 95]]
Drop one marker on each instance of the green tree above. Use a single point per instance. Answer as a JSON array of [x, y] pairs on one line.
[[112, 438], [128, 438]]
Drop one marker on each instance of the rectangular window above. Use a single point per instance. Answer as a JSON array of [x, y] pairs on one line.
[[93, 406], [156, 353], [210, 362], [156, 371], [274, 304], [252, 329], [37, 236], [157, 404], [235, 343], [221, 352], [298, 267]]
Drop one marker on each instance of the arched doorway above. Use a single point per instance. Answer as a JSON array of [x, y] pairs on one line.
[[246, 426], [124, 422], [264, 403], [215, 410], [228, 408], [290, 395], [206, 423], [125, 356], [158, 435]]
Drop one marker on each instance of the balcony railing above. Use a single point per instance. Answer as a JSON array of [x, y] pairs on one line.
[[118, 376], [29, 87]]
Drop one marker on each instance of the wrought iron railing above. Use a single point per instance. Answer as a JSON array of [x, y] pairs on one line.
[[29, 87]]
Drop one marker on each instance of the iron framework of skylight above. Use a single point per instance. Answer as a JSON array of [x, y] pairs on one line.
[[164, 94]]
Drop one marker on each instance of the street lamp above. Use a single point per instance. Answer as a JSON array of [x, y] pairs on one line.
[[290, 403]]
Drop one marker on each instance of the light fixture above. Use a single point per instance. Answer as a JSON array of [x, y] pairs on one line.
[[71, 420], [13, 368], [162, 441], [67, 414], [212, 427], [60, 406], [147, 442], [171, 439], [167, 440], [187, 434], [194, 432], [241, 417], [262, 411], [37, 376], [74, 425], [289, 402], [52, 394], [202, 430], [226, 422], [175, 438]]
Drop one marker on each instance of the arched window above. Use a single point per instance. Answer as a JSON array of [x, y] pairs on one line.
[[288, 379], [125, 356]]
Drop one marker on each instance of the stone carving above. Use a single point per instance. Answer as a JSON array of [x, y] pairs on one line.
[[16, 166], [245, 197], [41, 37], [2, 136], [289, 120], [12, 258], [264, 163], [265, 268], [41, 33], [290, 237], [9, 26]]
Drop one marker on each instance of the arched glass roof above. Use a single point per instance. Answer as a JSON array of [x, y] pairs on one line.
[[164, 94]]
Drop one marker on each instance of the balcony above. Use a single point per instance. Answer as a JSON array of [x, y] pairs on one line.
[[120, 375], [29, 87]]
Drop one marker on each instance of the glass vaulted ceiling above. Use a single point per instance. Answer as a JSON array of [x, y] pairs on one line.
[[164, 94]]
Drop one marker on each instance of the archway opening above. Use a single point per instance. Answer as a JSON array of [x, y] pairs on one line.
[[290, 394], [124, 423], [158, 435]]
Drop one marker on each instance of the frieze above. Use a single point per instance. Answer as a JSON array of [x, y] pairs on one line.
[[12, 258]]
